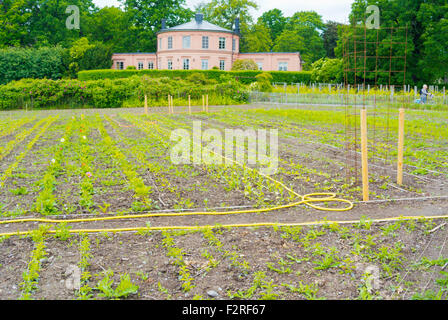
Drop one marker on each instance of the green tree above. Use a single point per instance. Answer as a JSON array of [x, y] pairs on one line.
[[274, 21], [144, 21], [224, 12], [330, 38], [258, 39]]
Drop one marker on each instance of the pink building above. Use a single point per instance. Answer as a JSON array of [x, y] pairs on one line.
[[201, 45]]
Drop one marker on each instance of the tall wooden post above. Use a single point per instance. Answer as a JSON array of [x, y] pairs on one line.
[[172, 104], [146, 104], [400, 147], [189, 104], [364, 155]]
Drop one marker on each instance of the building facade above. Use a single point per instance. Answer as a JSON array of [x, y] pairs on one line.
[[201, 45]]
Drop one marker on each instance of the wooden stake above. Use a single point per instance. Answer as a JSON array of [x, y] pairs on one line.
[[189, 104], [400, 147], [146, 104], [365, 170]]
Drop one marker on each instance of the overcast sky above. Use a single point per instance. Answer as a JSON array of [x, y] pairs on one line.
[[336, 10]]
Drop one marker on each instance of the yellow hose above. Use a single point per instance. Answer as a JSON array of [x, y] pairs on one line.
[[308, 200]]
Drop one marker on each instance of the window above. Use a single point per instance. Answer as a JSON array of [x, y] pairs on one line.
[[204, 64], [204, 42], [170, 64], [233, 44], [170, 42], [222, 64], [140, 65], [283, 66], [120, 65], [186, 42], [260, 65], [150, 65], [222, 43], [160, 44], [186, 64]]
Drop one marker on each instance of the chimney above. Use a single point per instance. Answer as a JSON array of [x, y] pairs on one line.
[[163, 24], [199, 17], [237, 26]]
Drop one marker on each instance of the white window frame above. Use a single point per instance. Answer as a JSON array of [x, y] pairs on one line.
[[204, 64], [205, 42], [222, 43], [160, 44], [170, 42], [170, 64], [222, 64], [283, 66], [150, 65], [186, 64], [233, 44], [120, 65], [140, 65], [260, 65], [184, 43]]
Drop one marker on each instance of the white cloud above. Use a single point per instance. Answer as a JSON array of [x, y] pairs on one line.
[[336, 10]]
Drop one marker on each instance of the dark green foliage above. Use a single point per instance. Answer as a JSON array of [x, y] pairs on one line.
[[31, 63]]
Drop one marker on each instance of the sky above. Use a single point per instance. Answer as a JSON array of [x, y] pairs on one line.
[[335, 10]]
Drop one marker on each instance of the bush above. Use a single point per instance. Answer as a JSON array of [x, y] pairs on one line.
[[244, 64], [264, 82], [327, 71]]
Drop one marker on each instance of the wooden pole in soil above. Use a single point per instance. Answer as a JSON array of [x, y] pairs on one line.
[[365, 170], [400, 147], [189, 104], [146, 104]]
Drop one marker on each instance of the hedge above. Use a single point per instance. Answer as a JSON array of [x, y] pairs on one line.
[[115, 93], [245, 77], [19, 63]]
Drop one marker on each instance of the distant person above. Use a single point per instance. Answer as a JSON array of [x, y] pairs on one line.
[[424, 93]]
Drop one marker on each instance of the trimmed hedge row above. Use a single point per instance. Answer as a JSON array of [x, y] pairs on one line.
[[245, 77]]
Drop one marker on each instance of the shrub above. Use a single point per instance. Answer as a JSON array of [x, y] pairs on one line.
[[244, 64]]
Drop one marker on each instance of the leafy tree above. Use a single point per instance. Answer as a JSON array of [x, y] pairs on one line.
[[330, 38], [244, 64], [224, 12], [144, 20], [426, 48], [274, 21], [258, 39]]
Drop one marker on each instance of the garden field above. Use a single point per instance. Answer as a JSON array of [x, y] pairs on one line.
[[93, 207]]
